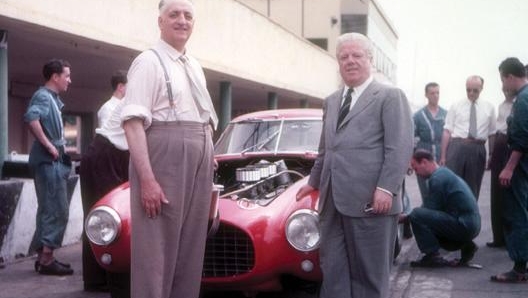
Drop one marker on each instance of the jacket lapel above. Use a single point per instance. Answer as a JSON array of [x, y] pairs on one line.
[[333, 106], [366, 99]]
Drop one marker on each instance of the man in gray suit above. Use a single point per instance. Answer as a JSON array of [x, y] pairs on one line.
[[364, 152]]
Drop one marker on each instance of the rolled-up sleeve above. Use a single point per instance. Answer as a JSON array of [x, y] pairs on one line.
[[136, 111], [38, 107], [142, 90]]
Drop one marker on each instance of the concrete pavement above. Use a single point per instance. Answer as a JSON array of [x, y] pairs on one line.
[[410, 282], [18, 280]]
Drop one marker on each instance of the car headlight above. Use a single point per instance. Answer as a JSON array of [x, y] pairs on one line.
[[302, 230], [102, 225]]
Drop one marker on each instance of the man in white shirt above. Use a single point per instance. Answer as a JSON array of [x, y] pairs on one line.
[[498, 159], [104, 166], [466, 132], [118, 82], [167, 117]]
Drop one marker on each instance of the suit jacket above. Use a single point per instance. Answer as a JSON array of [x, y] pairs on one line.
[[371, 148]]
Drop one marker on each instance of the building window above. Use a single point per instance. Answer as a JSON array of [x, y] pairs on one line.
[[72, 133], [320, 42]]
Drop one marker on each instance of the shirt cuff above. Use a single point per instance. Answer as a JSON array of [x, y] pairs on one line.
[[136, 111], [385, 191]]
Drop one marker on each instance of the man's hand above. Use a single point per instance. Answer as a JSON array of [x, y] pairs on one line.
[[36, 129], [152, 197], [304, 191], [53, 152], [215, 164], [505, 177], [381, 202]]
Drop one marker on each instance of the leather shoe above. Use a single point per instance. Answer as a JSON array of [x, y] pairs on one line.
[[467, 252], [430, 261], [37, 265], [54, 268], [494, 244]]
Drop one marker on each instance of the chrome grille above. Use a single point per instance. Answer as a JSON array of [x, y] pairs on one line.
[[228, 253]]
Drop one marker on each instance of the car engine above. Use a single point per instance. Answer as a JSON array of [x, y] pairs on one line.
[[260, 181]]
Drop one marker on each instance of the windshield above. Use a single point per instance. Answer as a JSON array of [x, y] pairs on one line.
[[298, 135]]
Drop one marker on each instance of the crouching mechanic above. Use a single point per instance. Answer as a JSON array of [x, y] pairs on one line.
[[449, 217]]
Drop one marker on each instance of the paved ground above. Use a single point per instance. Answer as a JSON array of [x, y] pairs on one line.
[[456, 282], [18, 280]]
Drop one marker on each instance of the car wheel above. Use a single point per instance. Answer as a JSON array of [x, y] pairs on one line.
[[119, 284]]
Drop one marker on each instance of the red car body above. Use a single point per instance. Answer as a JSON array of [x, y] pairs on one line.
[[249, 250]]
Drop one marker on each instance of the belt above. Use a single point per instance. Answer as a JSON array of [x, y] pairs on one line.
[[470, 140], [58, 143]]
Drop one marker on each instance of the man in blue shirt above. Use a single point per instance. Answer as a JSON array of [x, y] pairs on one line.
[[428, 128], [449, 217], [50, 167]]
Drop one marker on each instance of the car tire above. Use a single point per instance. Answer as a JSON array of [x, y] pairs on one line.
[[119, 284]]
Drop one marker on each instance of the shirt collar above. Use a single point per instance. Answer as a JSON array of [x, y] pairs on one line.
[[358, 90], [476, 101], [171, 52]]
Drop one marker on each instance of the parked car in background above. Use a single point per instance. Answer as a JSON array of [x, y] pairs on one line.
[[261, 238]]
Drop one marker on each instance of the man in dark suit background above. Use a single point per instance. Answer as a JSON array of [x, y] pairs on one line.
[[364, 152]]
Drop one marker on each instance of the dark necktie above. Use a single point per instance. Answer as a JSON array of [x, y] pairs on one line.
[[345, 107], [473, 121]]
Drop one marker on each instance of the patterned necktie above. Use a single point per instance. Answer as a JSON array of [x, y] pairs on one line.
[[345, 108], [199, 92], [473, 121]]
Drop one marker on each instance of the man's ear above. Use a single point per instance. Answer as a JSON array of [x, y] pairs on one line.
[[55, 77]]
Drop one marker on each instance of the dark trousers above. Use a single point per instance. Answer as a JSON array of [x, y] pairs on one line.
[[499, 158], [467, 159], [515, 214], [435, 229], [103, 168]]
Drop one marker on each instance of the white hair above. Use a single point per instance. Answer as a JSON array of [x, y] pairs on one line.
[[164, 3], [354, 36]]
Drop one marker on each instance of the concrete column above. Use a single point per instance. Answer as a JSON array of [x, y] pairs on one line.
[[3, 97], [273, 100], [226, 100], [304, 103]]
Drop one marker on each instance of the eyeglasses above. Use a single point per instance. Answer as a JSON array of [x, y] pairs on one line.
[[474, 90]]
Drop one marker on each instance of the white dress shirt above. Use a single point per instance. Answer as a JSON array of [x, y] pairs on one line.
[[504, 111], [147, 96], [357, 92], [112, 129], [105, 111], [457, 119]]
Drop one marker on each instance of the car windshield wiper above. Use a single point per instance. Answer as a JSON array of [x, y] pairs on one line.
[[264, 142]]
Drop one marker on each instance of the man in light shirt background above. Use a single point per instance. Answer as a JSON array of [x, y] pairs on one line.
[[104, 166], [466, 132], [498, 159], [118, 83]]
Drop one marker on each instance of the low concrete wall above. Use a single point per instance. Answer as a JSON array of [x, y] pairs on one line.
[[20, 225]]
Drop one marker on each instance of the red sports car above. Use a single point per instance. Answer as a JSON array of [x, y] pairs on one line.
[[261, 238]]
